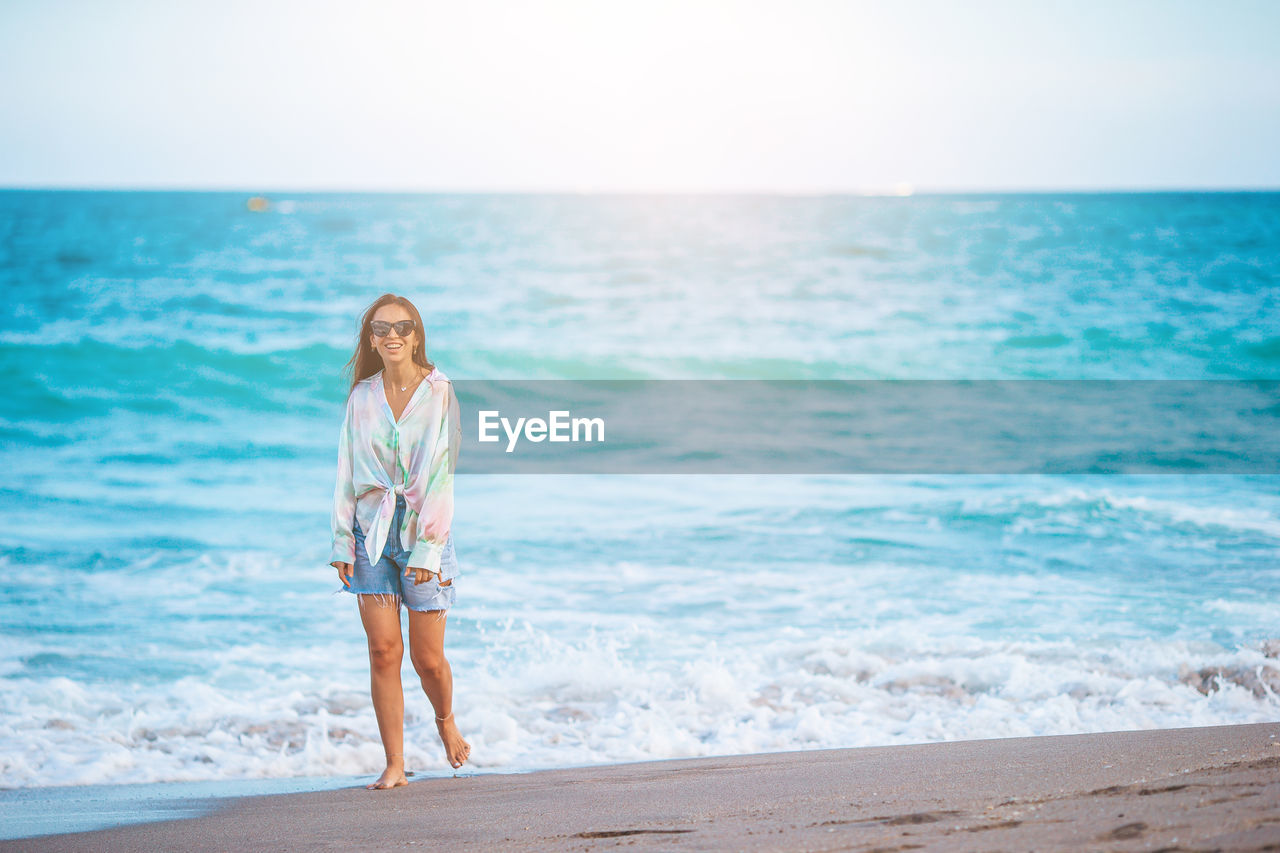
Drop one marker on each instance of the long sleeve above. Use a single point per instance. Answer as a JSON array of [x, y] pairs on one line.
[[344, 500], [437, 509]]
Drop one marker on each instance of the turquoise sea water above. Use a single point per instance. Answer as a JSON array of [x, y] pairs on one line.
[[170, 436]]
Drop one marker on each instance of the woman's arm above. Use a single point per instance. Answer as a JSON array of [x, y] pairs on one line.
[[437, 508], [344, 501]]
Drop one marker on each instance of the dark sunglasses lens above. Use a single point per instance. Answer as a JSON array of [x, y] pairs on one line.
[[381, 328]]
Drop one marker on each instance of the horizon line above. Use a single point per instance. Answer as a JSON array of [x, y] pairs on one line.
[[863, 192]]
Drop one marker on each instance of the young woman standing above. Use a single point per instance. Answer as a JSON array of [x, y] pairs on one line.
[[392, 509]]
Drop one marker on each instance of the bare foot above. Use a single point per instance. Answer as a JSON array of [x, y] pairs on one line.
[[455, 748], [392, 777]]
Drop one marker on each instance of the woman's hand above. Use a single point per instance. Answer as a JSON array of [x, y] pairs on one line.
[[422, 576], [345, 571]]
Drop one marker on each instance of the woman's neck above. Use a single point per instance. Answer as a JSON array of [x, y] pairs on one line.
[[402, 377]]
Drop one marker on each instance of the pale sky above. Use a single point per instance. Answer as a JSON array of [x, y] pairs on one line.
[[651, 96]]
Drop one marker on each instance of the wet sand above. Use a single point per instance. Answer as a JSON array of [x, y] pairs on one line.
[[1210, 788]]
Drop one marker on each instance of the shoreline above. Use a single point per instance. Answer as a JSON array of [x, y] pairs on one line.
[[1187, 788]]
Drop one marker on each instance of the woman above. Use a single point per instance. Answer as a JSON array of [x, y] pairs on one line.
[[392, 508]]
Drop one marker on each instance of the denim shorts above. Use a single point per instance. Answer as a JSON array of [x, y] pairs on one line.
[[386, 577]]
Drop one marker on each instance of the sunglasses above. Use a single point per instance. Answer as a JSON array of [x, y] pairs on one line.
[[382, 328]]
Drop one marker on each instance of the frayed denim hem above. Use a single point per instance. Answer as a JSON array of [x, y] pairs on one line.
[[441, 601], [381, 599], [443, 598]]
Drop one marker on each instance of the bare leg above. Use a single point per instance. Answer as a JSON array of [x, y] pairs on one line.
[[426, 649], [386, 651]]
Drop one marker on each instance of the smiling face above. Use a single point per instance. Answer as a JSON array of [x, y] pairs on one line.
[[394, 347]]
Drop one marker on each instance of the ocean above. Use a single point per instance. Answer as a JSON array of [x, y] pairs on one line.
[[170, 434]]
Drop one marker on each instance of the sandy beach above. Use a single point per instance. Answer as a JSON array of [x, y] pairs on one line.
[[1204, 788]]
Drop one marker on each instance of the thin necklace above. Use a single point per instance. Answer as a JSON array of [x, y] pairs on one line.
[[406, 387]]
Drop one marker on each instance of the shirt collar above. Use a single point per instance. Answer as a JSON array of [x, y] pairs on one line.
[[420, 393]]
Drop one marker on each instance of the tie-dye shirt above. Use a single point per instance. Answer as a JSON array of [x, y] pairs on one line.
[[379, 458]]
